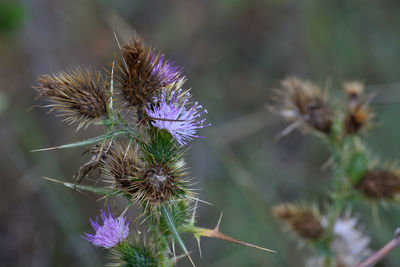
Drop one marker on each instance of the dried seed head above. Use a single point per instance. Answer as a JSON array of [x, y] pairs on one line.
[[141, 73], [164, 176], [147, 182], [303, 102], [77, 95], [305, 221], [353, 89], [379, 184], [359, 114], [158, 185], [122, 165]]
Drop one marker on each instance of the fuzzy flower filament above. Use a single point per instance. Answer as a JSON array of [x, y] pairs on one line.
[[111, 233], [165, 70], [172, 116]]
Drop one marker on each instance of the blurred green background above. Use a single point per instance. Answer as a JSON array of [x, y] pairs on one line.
[[234, 52]]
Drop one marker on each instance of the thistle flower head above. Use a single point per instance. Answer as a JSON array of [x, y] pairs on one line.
[[79, 96], [303, 102], [141, 73], [359, 115], [379, 184], [165, 70], [304, 221], [147, 179], [169, 114], [111, 233]]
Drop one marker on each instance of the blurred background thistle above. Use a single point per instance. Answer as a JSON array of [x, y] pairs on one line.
[[234, 54], [333, 234]]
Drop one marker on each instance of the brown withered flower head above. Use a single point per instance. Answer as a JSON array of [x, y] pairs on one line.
[[304, 221], [78, 95], [304, 103], [379, 184], [141, 73], [148, 182], [358, 115]]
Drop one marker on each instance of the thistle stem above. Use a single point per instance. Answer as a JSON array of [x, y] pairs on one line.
[[383, 252]]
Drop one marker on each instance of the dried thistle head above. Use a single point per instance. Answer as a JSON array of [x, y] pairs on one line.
[[353, 89], [303, 220], [379, 183], [303, 103], [141, 73], [359, 115], [147, 179], [122, 165], [166, 172], [78, 95]]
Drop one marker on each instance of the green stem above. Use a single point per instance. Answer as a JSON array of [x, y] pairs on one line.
[[340, 190], [159, 239]]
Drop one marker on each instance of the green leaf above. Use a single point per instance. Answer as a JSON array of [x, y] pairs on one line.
[[90, 141], [101, 191], [179, 212], [167, 217]]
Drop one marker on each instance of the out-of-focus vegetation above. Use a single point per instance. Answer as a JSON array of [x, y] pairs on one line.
[[234, 53], [11, 15]]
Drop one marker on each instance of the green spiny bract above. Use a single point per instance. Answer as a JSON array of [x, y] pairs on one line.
[[152, 176], [160, 148], [134, 255]]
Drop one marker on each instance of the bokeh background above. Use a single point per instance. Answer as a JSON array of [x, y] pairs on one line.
[[234, 52]]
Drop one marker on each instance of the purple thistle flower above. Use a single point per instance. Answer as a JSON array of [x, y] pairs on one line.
[[165, 70], [169, 114], [111, 233]]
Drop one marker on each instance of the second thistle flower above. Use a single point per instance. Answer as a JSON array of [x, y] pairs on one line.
[[111, 233], [169, 114]]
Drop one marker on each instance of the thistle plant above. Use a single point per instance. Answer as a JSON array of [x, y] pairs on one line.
[[148, 120], [331, 229]]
